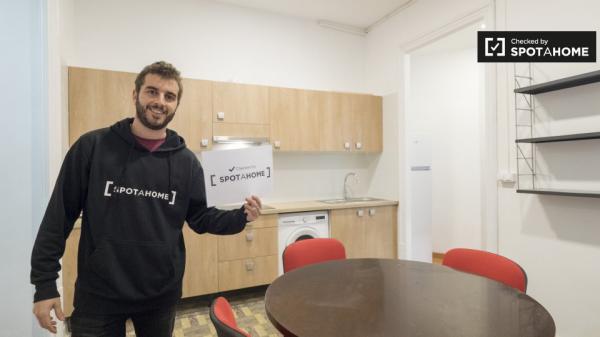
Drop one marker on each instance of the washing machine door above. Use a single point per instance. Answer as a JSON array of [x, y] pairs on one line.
[[302, 233]]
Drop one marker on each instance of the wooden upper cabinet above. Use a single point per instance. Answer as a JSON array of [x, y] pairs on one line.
[[295, 118], [335, 123], [193, 117], [240, 103], [367, 132], [98, 99]]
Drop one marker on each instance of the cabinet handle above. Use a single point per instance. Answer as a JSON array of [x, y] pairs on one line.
[[347, 145], [249, 236], [204, 142], [358, 145], [371, 211], [360, 212], [249, 265], [220, 115], [277, 144]]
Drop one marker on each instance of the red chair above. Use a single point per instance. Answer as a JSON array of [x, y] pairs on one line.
[[222, 317], [486, 264], [310, 251]]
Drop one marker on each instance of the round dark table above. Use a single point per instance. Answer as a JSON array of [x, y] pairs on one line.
[[385, 297]]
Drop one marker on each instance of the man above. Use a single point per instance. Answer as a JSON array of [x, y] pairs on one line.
[[136, 184]]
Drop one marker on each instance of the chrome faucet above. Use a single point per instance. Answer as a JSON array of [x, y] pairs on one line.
[[346, 188]]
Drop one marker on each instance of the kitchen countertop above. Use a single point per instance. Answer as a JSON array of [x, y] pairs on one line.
[[314, 205], [310, 205]]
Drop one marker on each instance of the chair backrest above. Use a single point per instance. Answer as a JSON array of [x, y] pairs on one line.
[[309, 251], [490, 265], [223, 319]]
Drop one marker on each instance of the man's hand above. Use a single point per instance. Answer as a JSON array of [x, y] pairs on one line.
[[252, 208], [42, 309]]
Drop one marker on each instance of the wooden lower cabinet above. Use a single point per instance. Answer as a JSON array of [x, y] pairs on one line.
[[366, 232], [69, 269], [249, 258], [201, 275], [248, 272]]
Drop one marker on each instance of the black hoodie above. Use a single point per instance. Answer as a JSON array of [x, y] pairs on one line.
[[131, 252]]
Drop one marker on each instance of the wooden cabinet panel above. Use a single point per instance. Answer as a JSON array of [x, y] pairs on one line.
[[335, 122], [193, 119], [367, 128], [97, 99], [295, 118], [240, 103], [348, 227], [248, 272], [251, 242], [69, 268], [381, 232], [268, 220], [366, 232], [201, 269]]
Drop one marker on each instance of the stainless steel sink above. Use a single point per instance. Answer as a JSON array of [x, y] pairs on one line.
[[341, 200], [334, 201], [363, 199]]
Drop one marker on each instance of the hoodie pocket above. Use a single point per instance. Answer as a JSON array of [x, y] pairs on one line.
[[131, 270]]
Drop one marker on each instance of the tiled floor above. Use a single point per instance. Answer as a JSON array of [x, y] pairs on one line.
[[192, 318]]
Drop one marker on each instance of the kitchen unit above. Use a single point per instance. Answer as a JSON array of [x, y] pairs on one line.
[[251, 258], [294, 120]]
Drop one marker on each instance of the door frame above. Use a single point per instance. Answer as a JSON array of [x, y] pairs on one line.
[[489, 188]]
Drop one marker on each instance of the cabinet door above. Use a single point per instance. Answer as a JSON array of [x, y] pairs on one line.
[[97, 99], [251, 242], [69, 268], [249, 272], [348, 226], [380, 232], [240, 103], [367, 127], [201, 269], [335, 122], [295, 118], [193, 119]]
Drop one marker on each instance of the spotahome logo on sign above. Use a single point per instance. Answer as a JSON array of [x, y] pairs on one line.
[[111, 188], [247, 173], [503, 46]]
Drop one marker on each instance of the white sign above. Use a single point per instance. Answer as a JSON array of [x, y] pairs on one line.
[[232, 175]]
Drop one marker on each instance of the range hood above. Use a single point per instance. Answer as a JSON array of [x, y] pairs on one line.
[[240, 140], [233, 142]]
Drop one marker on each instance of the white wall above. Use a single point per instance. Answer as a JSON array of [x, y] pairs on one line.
[[556, 239], [444, 104], [214, 41], [24, 157], [385, 76]]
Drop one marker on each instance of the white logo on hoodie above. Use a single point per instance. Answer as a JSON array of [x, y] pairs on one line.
[[110, 188]]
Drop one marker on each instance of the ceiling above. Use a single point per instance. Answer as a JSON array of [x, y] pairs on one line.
[[361, 14]]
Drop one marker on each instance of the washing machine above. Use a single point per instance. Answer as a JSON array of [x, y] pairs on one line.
[[300, 226]]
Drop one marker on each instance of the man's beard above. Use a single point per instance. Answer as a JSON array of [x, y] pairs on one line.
[[140, 112]]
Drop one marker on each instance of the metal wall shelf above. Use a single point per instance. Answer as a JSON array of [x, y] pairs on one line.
[[571, 193], [563, 83], [563, 138]]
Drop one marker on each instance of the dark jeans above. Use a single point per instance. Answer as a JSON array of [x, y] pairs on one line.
[[154, 323]]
